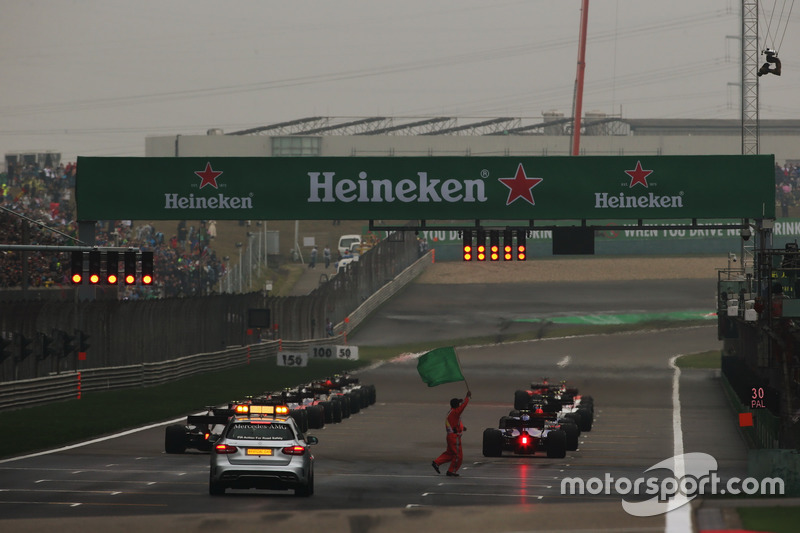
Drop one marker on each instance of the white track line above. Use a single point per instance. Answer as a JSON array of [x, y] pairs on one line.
[[678, 520]]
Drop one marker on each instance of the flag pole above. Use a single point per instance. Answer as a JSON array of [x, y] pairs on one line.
[[461, 369]]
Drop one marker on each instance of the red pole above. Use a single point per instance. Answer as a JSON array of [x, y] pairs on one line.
[[576, 115]]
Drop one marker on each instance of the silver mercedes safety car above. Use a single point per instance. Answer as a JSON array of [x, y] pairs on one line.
[[262, 449]]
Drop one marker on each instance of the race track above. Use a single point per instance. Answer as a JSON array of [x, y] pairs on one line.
[[373, 470]]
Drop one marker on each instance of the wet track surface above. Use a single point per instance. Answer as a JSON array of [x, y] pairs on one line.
[[373, 470]]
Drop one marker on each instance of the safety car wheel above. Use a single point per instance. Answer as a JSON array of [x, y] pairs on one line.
[[307, 489], [556, 444], [215, 489], [492, 443], [175, 439]]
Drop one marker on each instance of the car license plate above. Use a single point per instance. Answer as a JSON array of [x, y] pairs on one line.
[[259, 451]]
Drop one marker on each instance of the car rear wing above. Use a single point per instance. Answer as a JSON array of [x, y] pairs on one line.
[[208, 419]]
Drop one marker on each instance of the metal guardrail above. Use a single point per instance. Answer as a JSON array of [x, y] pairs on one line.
[[71, 385]]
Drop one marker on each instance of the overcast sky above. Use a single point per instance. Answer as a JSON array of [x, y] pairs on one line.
[[95, 77]]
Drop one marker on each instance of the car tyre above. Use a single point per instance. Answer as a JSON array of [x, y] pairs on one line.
[[316, 417], [175, 439], [572, 433], [337, 411], [307, 489], [556, 444], [492, 442], [215, 489], [327, 409], [521, 399], [586, 419]]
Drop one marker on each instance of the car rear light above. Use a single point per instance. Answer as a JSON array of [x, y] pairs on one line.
[[225, 448], [206, 436], [524, 440], [294, 450]]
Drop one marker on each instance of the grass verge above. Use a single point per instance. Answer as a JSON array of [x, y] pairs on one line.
[[711, 359], [103, 413]]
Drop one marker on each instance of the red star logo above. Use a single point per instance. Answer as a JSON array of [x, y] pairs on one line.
[[520, 186], [638, 176], [208, 176]]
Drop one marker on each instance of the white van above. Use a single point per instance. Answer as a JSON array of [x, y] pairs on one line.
[[346, 242]]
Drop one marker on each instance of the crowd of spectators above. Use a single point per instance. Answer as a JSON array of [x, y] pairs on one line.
[[787, 188], [184, 262]]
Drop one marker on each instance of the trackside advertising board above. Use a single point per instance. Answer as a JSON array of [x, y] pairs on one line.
[[440, 188]]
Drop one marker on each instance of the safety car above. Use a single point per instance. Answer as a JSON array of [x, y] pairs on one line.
[[262, 447]]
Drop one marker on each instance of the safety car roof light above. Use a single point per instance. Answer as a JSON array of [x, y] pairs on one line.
[[264, 410]]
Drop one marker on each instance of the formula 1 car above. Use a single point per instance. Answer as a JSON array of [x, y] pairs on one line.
[[199, 432], [526, 434], [568, 425], [345, 389], [563, 401]]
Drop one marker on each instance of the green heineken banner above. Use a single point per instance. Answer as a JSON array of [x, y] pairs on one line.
[[426, 188]]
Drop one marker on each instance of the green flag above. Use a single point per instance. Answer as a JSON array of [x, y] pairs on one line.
[[439, 366]]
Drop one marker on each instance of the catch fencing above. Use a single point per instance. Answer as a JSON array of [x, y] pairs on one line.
[[125, 333]]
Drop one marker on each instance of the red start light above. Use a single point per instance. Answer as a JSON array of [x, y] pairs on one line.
[[147, 280], [77, 278], [94, 278]]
